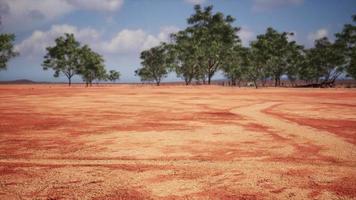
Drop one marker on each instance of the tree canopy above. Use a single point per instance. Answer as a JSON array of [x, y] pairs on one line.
[[6, 49], [210, 44], [325, 61], [69, 58], [91, 65], [64, 57], [114, 75], [156, 63], [347, 38], [213, 35]]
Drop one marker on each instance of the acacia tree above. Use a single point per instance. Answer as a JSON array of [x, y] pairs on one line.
[[213, 35], [156, 63], [6, 49], [91, 65], [64, 57], [347, 39], [113, 75]]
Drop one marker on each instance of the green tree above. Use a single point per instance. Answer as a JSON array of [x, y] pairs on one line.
[[295, 65], [347, 39], [326, 61], [156, 63], [186, 56], [91, 65], [6, 49], [101, 75], [213, 35], [253, 65], [295, 60], [277, 54], [113, 75], [145, 74], [233, 65], [64, 57]]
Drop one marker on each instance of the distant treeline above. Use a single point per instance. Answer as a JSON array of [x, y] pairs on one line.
[[208, 44]]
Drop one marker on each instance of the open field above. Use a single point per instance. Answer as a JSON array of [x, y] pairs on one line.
[[176, 142]]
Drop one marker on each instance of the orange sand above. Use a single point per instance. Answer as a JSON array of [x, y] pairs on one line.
[[176, 142]]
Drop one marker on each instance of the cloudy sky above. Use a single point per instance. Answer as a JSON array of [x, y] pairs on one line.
[[120, 29]]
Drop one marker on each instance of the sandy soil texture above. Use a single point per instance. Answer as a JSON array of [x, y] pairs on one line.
[[176, 142]]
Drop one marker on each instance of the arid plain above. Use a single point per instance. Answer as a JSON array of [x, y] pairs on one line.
[[176, 142]]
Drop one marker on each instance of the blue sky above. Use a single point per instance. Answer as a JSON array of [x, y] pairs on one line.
[[120, 29]]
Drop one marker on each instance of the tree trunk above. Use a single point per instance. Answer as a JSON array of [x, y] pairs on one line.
[[188, 81], [157, 83], [255, 82], [69, 81]]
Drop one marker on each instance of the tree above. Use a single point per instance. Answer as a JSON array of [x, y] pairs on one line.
[[295, 65], [295, 60], [64, 57], [277, 53], [91, 65], [186, 56], [233, 65], [145, 74], [156, 63], [213, 35], [6, 49], [252, 63], [113, 75], [347, 39], [327, 62]]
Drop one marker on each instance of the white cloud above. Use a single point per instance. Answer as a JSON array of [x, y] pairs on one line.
[[26, 14], [263, 5], [130, 41], [98, 5], [125, 41], [195, 2], [37, 42], [318, 34], [246, 35]]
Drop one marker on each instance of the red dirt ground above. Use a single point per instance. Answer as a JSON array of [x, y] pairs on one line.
[[176, 142]]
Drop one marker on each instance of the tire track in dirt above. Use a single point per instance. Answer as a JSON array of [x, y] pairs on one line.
[[331, 145]]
